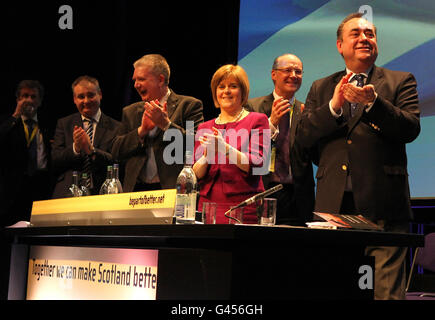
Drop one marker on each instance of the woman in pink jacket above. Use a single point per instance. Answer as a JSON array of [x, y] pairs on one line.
[[231, 151]]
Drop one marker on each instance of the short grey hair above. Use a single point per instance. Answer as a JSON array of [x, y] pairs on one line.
[[86, 78], [158, 64]]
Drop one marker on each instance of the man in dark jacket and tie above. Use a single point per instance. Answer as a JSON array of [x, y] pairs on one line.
[[360, 120], [291, 164], [24, 166], [83, 140], [141, 142]]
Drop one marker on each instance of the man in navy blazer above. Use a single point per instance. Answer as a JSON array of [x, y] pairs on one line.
[[360, 120], [72, 145]]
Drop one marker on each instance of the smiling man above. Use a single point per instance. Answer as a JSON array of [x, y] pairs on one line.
[[140, 141], [83, 140], [291, 165], [360, 120]]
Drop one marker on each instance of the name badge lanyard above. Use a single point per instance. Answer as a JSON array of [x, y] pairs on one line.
[[30, 138]]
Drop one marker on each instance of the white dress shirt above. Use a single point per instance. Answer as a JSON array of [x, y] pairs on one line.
[[149, 173]]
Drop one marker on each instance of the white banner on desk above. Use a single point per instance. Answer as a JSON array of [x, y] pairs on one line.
[[82, 273]]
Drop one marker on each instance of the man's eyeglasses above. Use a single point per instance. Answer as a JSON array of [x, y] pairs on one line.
[[288, 71]]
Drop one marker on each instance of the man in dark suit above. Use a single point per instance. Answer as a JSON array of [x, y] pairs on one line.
[[83, 140], [360, 119], [24, 168], [141, 139], [290, 164]]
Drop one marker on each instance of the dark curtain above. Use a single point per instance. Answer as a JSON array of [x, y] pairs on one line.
[[196, 37]]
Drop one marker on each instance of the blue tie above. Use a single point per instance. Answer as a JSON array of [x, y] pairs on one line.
[[359, 83]]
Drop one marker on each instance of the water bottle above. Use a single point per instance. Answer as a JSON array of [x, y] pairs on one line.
[[185, 206], [83, 187], [105, 185], [75, 190], [114, 184], [116, 177]]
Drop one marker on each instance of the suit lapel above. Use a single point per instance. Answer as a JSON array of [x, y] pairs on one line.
[[101, 130], [267, 104], [346, 110], [294, 121], [171, 104], [354, 120], [376, 77], [21, 135], [139, 113]]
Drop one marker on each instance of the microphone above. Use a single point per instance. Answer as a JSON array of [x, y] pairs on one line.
[[253, 199], [259, 196]]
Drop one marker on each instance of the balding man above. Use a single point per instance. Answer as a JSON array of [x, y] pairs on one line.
[[290, 164]]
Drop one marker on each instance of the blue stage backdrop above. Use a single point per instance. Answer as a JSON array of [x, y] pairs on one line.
[[406, 40]]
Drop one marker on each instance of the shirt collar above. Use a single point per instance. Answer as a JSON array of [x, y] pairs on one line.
[[165, 97], [276, 97], [95, 118], [366, 74], [35, 118]]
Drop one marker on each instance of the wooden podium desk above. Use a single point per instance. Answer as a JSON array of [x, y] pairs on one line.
[[228, 261]]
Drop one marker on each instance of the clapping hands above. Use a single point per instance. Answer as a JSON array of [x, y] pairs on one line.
[[82, 142], [213, 143], [154, 115], [345, 91]]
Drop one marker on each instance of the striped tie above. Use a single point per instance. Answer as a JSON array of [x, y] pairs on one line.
[[87, 165]]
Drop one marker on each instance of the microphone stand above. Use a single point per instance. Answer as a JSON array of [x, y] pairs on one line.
[[259, 196], [227, 214]]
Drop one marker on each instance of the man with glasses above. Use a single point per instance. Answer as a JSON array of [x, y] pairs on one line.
[[290, 164]]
